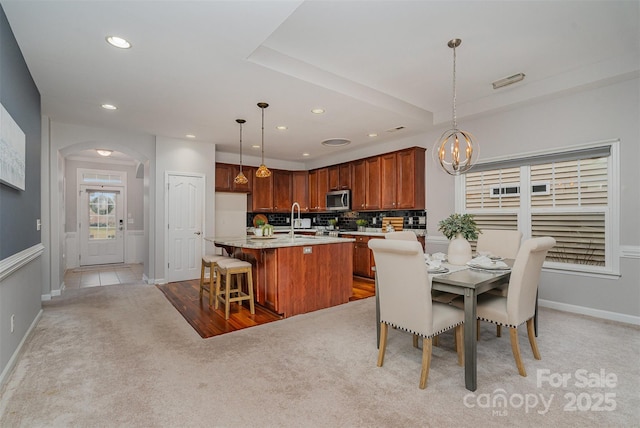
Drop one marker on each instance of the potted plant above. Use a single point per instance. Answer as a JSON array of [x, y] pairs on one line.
[[362, 224], [258, 229], [332, 223], [459, 229]]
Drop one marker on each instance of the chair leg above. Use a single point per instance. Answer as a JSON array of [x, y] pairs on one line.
[[383, 343], [250, 290], [515, 347], [459, 344], [426, 362], [436, 340], [415, 340], [532, 338], [499, 330], [227, 293], [202, 279], [214, 296]]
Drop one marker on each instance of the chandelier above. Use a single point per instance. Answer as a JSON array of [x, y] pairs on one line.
[[263, 171], [455, 149]]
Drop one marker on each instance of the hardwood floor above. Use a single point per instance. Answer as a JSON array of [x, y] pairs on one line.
[[209, 322]]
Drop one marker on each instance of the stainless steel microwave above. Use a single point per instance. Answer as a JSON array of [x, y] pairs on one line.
[[339, 200]]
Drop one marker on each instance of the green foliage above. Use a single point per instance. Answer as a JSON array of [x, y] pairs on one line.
[[361, 222], [259, 222], [459, 223]]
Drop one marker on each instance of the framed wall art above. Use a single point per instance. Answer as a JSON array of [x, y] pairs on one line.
[[12, 151]]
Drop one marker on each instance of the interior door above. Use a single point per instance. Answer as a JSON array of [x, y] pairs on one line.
[[185, 201], [101, 225]]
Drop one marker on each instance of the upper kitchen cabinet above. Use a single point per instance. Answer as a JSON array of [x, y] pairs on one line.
[[271, 194], [403, 179], [340, 176], [365, 184], [282, 196], [300, 189], [318, 188], [225, 175], [262, 195]]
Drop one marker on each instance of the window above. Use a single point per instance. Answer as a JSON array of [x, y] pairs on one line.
[[570, 195]]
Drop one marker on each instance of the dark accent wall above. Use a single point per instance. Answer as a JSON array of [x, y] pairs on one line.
[[19, 95]]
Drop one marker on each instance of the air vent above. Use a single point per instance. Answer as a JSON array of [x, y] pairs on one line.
[[397, 128], [336, 142]]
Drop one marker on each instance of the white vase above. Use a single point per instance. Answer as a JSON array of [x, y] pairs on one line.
[[459, 252]]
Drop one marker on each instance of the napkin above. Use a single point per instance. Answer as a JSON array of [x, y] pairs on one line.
[[438, 256], [484, 261]]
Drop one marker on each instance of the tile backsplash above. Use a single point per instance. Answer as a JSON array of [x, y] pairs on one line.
[[413, 219]]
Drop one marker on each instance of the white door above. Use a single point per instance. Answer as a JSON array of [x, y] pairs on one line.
[[101, 225], [185, 200]]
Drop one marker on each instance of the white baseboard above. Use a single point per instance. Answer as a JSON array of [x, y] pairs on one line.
[[597, 313], [14, 358]]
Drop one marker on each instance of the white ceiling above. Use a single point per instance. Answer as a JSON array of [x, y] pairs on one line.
[[196, 66]]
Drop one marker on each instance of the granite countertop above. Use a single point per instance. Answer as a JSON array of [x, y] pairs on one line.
[[277, 241]]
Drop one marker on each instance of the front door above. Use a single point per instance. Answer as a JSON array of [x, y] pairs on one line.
[[185, 200], [101, 225]]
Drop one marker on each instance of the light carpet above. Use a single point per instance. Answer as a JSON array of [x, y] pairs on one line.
[[123, 356]]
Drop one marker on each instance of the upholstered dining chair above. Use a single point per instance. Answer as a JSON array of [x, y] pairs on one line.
[[501, 243], [518, 306], [403, 235], [404, 293]]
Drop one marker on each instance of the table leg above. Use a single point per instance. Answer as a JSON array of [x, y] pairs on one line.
[[377, 313], [470, 344]]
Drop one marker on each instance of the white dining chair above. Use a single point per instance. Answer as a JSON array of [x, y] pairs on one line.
[[519, 305], [500, 243], [404, 295], [403, 235]]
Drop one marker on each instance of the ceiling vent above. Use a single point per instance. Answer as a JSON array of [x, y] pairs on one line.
[[397, 128], [336, 142]]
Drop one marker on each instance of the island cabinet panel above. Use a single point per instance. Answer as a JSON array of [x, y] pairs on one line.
[[300, 279], [282, 199], [300, 189]]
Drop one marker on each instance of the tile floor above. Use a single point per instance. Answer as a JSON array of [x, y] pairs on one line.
[[99, 275]]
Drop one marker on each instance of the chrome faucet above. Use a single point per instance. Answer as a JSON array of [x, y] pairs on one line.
[[295, 204]]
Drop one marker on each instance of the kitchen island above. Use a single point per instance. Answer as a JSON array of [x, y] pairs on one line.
[[296, 275]]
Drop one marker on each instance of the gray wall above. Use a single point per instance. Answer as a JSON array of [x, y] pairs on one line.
[[19, 95], [20, 287]]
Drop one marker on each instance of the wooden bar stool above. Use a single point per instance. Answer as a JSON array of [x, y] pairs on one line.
[[232, 269], [209, 261]]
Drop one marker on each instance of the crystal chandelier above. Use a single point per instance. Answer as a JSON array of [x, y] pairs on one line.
[[263, 171], [455, 149], [240, 178]]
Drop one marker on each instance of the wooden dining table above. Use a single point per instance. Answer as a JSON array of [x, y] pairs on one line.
[[468, 283]]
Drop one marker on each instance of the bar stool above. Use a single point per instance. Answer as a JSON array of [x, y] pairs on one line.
[[209, 261], [232, 269]]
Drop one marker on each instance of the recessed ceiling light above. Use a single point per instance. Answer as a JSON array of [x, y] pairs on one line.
[[373, 134], [109, 107], [255, 146], [305, 154], [103, 152], [118, 42], [317, 110], [336, 142], [281, 128], [190, 136]]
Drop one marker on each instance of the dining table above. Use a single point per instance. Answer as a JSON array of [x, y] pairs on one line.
[[469, 283]]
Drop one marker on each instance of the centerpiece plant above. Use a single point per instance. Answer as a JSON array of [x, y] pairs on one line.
[[459, 229]]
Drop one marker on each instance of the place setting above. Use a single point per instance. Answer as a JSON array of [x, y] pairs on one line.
[[488, 262], [435, 263]]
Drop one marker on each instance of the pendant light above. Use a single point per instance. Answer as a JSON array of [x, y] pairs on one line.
[[240, 178], [263, 171], [455, 148]]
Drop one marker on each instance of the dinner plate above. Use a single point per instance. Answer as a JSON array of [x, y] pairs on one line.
[[488, 267], [438, 270]]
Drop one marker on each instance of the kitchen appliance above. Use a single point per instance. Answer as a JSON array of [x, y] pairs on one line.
[[339, 200]]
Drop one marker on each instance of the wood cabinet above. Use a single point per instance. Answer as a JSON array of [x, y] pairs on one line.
[[318, 188], [262, 195], [300, 189], [340, 176], [225, 175], [282, 195], [402, 179], [365, 184]]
